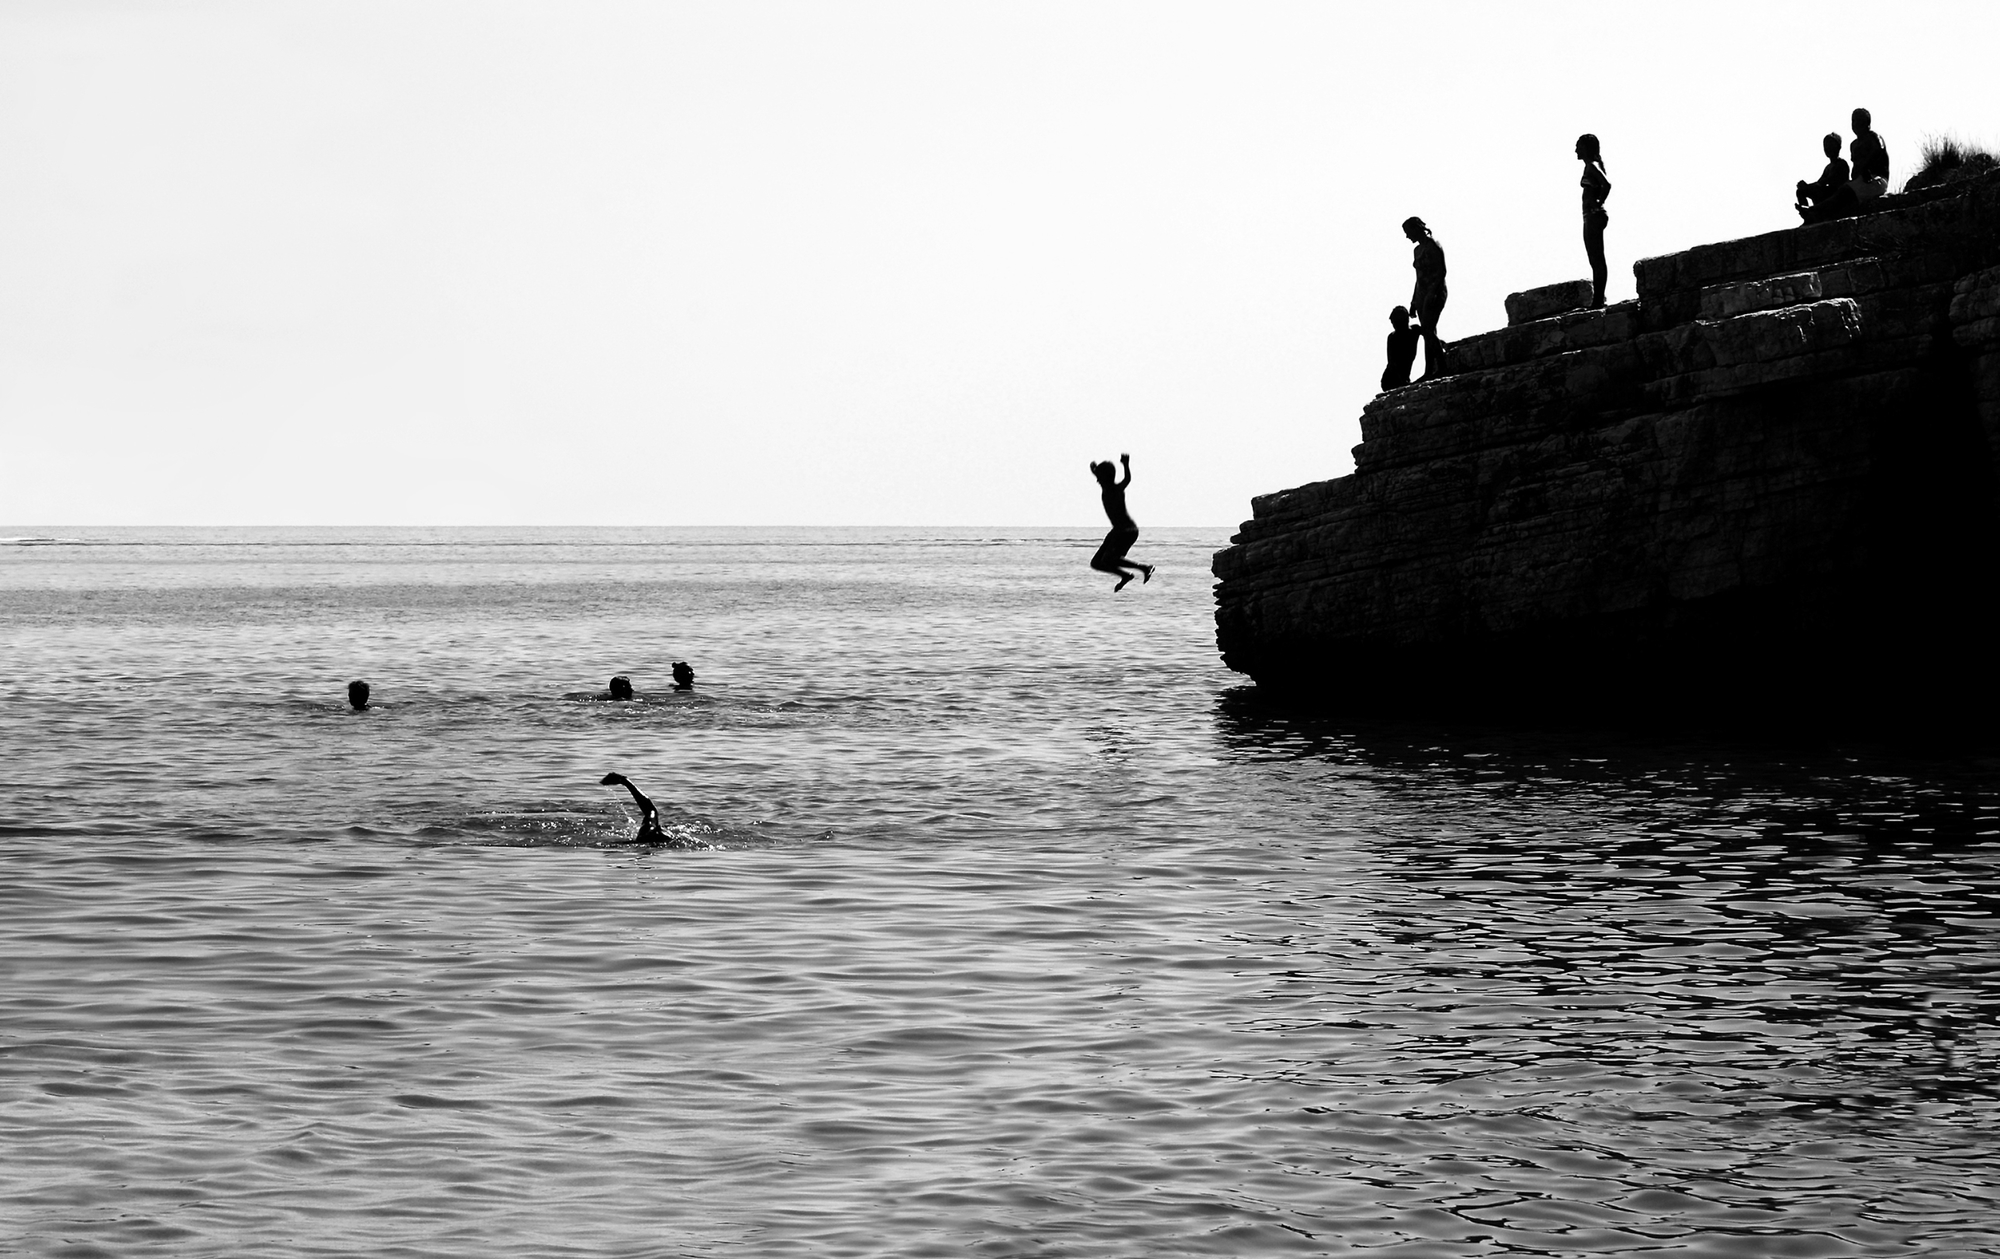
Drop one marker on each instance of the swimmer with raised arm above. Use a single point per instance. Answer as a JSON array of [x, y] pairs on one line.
[[649, 824], [1110, 557]]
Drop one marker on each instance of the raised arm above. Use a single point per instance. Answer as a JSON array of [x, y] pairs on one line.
[[1125, 461], [649, 825]]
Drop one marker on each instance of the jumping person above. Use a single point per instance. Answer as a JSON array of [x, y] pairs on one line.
[[649, 824], [1110, 557], [1427, 299], [1596, 187]]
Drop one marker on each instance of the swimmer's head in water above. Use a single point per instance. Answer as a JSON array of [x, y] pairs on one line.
[[683, 675], [621, 687], [357, 694]]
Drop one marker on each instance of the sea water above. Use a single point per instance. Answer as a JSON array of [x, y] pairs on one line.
[[1006, 922]]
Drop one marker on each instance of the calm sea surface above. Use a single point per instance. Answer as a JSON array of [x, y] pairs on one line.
[[1021, 928]]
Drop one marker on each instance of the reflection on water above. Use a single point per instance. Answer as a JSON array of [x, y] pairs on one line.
[[1024, 929], [1674, 989]]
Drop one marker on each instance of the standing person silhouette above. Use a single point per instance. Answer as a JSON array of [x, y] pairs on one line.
[[1596, 187], [1110, 557], [1427, 299], [649, 823]]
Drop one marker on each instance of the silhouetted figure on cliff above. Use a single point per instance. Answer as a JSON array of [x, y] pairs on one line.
[[1402, 350], [683, 676], [1871, 159], [1110, 557], [649, 821], [1829, 196], [357, 694], [1596, 187], [1427, 299]]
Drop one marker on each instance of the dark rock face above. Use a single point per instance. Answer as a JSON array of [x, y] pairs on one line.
[[1552, 299], [1769, 483]]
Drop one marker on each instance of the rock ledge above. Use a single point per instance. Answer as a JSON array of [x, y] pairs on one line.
[[1770, 481]]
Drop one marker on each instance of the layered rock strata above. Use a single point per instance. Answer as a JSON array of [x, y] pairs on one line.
[[1550, 299], [1768, 481]]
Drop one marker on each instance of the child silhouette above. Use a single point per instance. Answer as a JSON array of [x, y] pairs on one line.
[[1110, 557], [1402, 350]]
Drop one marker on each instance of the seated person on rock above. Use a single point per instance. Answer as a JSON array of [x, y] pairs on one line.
[[1871, 159], [1828, 197], [1402, 350]]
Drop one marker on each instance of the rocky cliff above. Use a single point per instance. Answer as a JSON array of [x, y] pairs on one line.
[[1771, 480]]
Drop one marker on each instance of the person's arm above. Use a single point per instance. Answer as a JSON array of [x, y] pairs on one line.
[[638, 796], [1126, 461]]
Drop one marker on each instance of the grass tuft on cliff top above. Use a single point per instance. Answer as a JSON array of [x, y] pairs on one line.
[[1944, 159]]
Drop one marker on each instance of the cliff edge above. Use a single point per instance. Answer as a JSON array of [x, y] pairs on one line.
[[1770, 480]]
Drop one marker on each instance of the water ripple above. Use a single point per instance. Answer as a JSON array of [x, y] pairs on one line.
[[1019, 929]]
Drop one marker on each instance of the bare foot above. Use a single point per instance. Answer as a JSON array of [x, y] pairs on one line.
[[1122, 583], [1146, 571]]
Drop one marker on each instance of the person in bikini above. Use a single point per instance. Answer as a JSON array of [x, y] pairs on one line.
[[1596, 187], [649, 823], [1428, 298], [1110, 557]]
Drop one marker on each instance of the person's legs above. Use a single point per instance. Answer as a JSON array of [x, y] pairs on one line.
[[1593, 245], [1428, 310], [1110, 557]]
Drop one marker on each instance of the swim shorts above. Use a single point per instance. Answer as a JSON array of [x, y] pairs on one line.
[[1116, 543]]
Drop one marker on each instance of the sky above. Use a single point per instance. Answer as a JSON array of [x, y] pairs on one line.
[[746, 263]]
